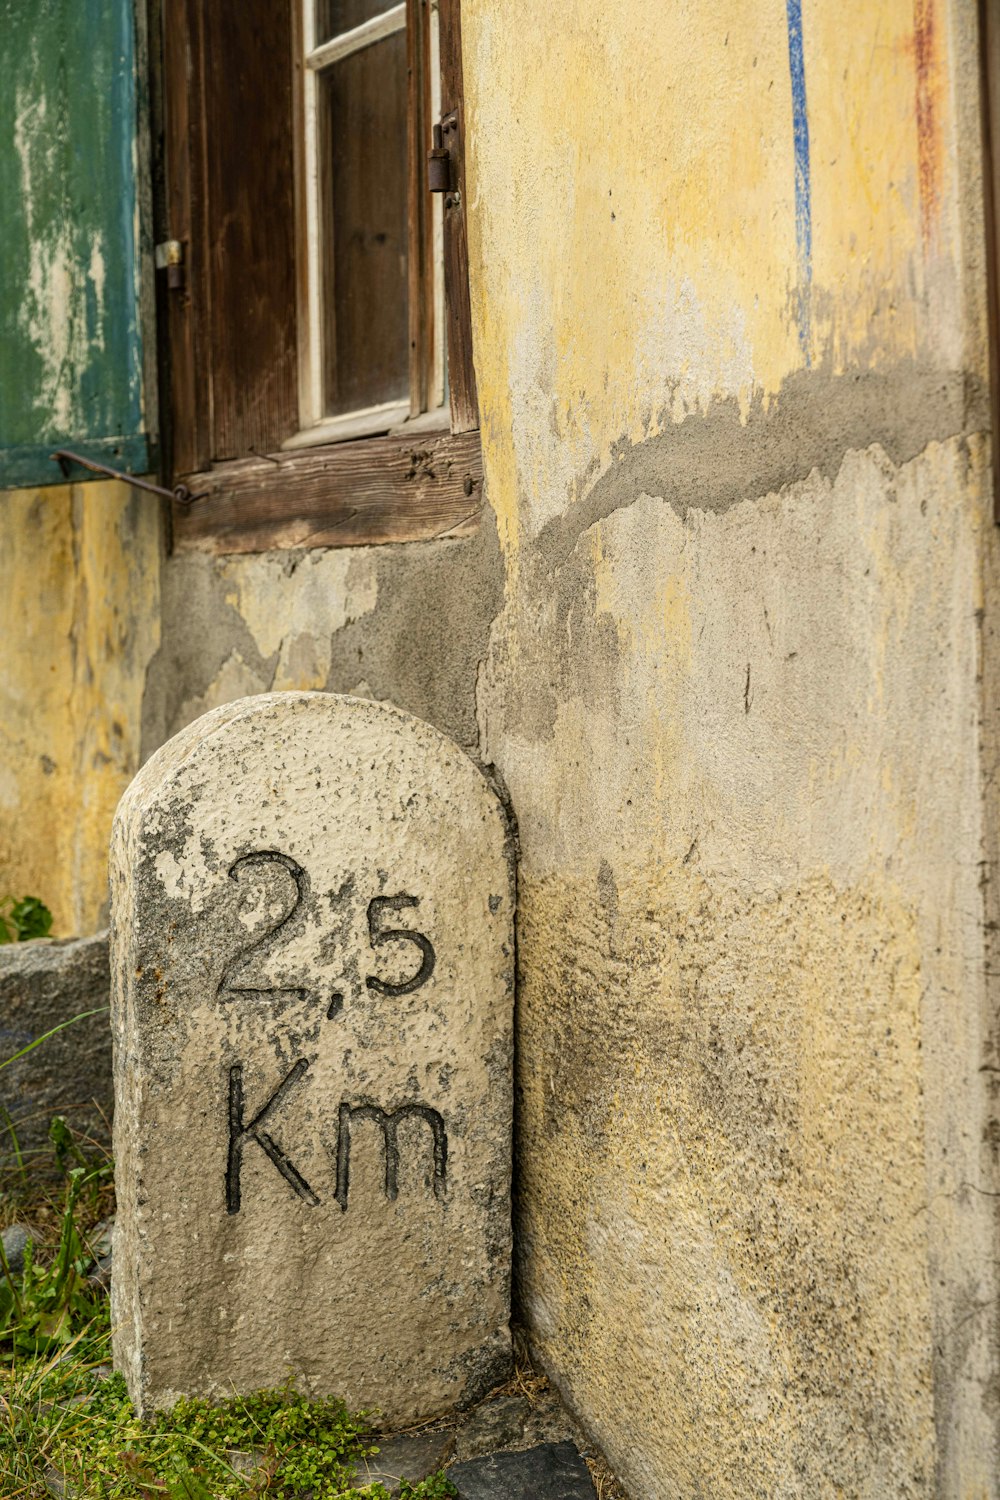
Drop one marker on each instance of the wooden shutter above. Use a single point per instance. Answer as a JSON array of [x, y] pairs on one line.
[[71, 356], [229, 197]]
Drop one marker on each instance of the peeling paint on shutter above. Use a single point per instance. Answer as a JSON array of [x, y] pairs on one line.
[[71, 368]]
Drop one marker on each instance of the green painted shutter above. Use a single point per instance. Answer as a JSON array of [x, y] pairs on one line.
[[70, 337]]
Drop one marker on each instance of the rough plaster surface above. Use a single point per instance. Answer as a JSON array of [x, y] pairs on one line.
[[742, 691], [408, 624], [43, 984], [266, 865], [747, 987]]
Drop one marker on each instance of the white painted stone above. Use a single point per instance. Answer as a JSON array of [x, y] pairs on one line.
[[313, 1116]]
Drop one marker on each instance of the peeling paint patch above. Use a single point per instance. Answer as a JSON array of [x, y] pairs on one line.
[[97, 273], [70, 346], [292, 603], [49, 316], [235, 679]]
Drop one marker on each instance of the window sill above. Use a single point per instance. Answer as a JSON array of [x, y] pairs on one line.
[[396, 488], [371, 422]]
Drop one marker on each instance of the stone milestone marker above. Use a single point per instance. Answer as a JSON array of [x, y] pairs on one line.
[[312, 976]]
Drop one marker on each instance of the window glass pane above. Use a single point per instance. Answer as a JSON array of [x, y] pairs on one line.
[[366, 335], [335, 16]]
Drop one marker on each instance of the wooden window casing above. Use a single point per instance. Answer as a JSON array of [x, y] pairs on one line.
[[232, 194]]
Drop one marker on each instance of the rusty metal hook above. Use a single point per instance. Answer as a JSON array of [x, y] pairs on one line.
[[63, 457]]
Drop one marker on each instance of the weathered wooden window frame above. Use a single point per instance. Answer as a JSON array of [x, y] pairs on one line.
[[422, 482]]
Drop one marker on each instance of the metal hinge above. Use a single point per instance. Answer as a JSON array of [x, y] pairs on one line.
[[439, 160], [439, 164], [169, 257]]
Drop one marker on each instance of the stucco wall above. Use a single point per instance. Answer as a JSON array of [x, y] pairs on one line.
[[407, 623], [114, 647], [79, 621], [727, 297], [728, 633]]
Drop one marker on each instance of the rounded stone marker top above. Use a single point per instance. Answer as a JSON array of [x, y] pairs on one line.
[[327, 720], [312, 956]]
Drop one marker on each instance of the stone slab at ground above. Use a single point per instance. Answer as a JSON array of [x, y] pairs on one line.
[[42, 984], [412, 1456], [498, 1422], [312, 954], [514, 1421], [552, 1471], [527, 1413]]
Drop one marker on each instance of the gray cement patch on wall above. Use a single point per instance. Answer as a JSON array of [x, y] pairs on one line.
[[714, 460], [421, 647], [709, 463], [408, 624]]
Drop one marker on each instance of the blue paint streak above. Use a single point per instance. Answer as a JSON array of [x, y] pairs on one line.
[[803, 187]]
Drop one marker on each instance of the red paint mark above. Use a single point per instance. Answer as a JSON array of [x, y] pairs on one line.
[[928, 133]]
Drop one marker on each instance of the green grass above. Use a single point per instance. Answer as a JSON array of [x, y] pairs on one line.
[[66, 1422], [67, 1418]]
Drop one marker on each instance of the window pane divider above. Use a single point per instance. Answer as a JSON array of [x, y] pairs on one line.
[[361, 36]]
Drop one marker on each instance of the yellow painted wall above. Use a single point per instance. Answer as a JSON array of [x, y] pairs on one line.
[[80, 621], [742, 692], [734, 655]]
